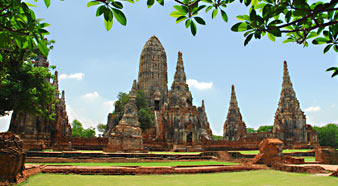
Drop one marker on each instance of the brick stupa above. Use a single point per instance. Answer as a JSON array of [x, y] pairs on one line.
[[234, 126]]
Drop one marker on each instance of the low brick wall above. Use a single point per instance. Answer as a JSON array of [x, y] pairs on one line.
[[134, 170], [75, 157]]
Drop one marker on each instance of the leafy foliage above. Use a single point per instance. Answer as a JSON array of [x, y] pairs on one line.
[[250, 130], [145, 115], [328, 135], [101, 127], [265, 128], [79, 131], [217, 138]]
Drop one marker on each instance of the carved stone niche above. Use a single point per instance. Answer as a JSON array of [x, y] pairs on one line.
[[12, 158]]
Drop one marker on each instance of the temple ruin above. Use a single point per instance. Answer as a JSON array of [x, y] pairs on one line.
[[177, 120], [234, 126], [178, 125], [38, 132], [290, 121]]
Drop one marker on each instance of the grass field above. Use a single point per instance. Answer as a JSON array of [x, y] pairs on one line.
[[309, 158], [173, 163], [252, 178]]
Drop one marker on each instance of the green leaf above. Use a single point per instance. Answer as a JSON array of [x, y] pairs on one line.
[[276, 32], [117, 4], [130, 1], [243, 18], [179, 19], [254, 3], [28, 4], [108, 24], [331, 68], [207, 10], [180, 9], [247, 40], [177, 14], [271, 37], [327, 48], [47, 3], [0, 58], [239, 27], [320, 40], [120, 17], [150, 3], [224, 16], [199, 20], [187, 23], [161, 2], [42, 45], [288, 40], [92, 3], [311, 35], [100, 10], [335, 47], [108, 16], [214, 13], [193, 28]]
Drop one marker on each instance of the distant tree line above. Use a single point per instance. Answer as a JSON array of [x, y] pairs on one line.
[[328, 135]]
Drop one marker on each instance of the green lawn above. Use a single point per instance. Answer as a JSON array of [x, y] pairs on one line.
[[309, 158], [169, 152], [172, 163], [252, 178]]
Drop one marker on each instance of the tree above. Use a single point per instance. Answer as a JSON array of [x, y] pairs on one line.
[[267, 128], [89, 133], [217, 138], [328, 135], [101, 127], [21, 41], [144, 113], [79, 131], [250, 130], [298, 20]]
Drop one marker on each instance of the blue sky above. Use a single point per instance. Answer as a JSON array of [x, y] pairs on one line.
[[95, 65]]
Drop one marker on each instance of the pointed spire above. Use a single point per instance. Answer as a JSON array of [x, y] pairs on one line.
[[56, 80], [180, 76], [234, 127], [203, 107], [63, 96], [133, 90], [286, 77], [233, 100]]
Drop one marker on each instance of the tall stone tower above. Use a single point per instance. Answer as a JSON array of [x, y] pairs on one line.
[[180, 96], [234, 127], [152, 76], [290, 121]]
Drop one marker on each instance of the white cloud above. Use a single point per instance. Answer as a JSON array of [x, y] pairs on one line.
[[109, 105], [91, 96], [333, 106], [72, 115], [199, 85], [78, 76], [312, 109]]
